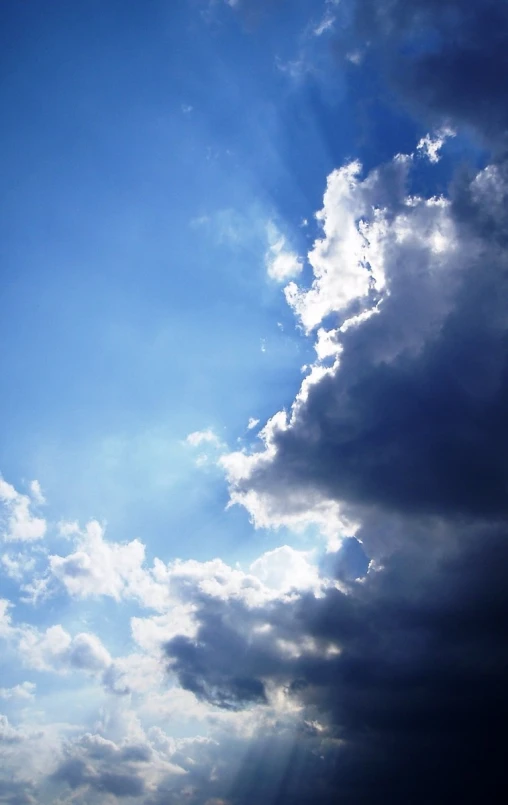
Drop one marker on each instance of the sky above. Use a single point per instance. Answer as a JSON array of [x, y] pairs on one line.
[[253, 490]]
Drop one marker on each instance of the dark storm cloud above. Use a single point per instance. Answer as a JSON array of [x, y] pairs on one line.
[[205, 666], [416, 695], [401, 675], [449, 58], [424, 432]]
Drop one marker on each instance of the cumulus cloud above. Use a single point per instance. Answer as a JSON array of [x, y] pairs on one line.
[[408, 416], [16, 566], [347, 262], [25, 690], [98, 567], [55, 650], [17, 520]]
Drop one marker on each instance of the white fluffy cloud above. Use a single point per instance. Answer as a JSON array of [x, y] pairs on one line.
[[286, 569], [18, 522], [16, 566], [98, 567], [25, 690], [347, 262], [51, 649]]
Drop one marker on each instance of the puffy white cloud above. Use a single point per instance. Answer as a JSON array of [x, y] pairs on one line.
[[18, 522], [347, 262], [285, 569], [23, 691], [54, 649], [16, 566], [98, 567]]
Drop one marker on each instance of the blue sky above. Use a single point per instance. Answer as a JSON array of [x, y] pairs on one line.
[[224, 219], [145, 153]]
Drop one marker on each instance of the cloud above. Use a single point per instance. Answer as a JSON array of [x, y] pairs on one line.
[[8, 734], [285, 569], [18, 522], [25, 690], [447, 59], [430, 146], [402, 669], [208, 441], [347, 262], [15, 792], [27, 755], [35, 489], [282, 263], [325, 25], [16, 566], [98, 567], [201, 437], [128, 769], [375, 672], [408, 417], [54, 649]]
